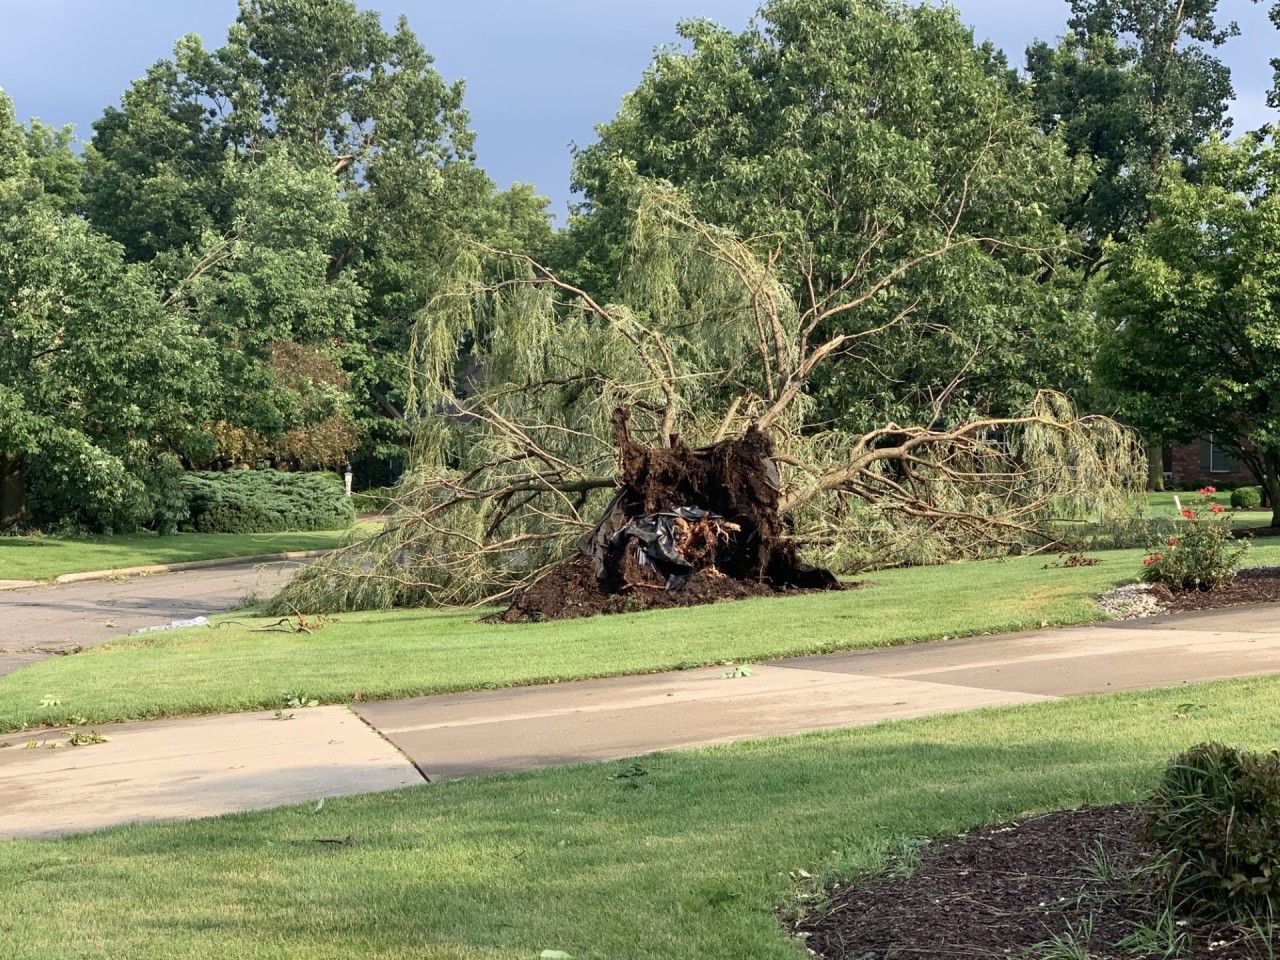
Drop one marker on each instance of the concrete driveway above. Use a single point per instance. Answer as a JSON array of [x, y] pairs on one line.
[[40, 622]]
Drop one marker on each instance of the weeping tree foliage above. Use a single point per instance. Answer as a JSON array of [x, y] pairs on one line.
[[517, 374]]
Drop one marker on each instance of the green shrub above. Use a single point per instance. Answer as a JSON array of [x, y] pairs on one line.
[[373, 500], [265, 501], [1215, 822], [1246, 498], [75, 488], [1202, 555]]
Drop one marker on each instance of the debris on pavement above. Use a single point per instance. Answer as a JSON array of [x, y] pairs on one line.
[[172, 625]]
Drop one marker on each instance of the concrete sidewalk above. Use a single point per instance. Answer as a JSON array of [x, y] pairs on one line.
[[521, 728], [197, 767], [202, 766]]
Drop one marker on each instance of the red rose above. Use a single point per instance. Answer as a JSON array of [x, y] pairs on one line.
[[1206, 491], [1188, 513], [1152, 559], [1172, 541], [1216, 508]]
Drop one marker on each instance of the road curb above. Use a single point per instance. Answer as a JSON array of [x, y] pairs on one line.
[[143, 571], [188, 565]]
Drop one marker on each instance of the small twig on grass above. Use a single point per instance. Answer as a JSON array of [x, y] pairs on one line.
[[298, 623]]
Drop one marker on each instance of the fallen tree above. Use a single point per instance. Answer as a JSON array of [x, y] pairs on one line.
[[519, 377], [686, 526]]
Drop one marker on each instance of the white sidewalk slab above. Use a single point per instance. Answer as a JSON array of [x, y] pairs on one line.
[[197, 767]]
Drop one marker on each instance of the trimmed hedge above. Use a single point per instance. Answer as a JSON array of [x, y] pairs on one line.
[[1246, 498], [373, 500], [265, 501]]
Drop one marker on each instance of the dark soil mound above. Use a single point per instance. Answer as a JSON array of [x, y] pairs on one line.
[[1255, 585], [1072, 876], [572, 589], [688, 526]]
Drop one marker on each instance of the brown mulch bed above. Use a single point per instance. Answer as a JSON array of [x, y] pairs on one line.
[[1246, 533], [571, 590], [1009, 890], [1255, 585]]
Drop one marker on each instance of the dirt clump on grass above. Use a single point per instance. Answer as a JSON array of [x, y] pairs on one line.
[[572, 589], [687, 527], [1065, 884]]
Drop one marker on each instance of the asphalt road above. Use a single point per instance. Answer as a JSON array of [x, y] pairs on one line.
[[41, 622]]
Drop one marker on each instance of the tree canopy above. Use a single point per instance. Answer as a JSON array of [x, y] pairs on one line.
[[1194, 302], [1132, 85], [860, 137], [301, 184], [101, 387]]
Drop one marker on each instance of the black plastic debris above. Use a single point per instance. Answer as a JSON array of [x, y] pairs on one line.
[[662, 542]]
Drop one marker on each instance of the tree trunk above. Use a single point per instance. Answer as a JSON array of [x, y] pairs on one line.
[[13, 490], [1271, 486], [1155, 463]]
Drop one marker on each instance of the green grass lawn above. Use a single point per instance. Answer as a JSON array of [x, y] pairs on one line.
[[43, 558], [1161, 504], [401, 653], [689, 866]]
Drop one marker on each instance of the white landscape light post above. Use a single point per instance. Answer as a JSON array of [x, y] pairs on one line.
[[346, 477]]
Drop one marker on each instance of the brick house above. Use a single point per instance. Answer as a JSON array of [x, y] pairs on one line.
[[1191, 465]]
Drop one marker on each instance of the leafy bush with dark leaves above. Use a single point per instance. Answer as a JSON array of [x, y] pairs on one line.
[[76, 489], [1246, 498], [265, 501], [1215, 820]]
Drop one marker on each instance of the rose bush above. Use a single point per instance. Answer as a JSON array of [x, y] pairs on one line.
[[1203, 555]]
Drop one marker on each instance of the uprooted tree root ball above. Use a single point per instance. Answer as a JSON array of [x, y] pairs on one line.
[[687, 526], [572, 589]]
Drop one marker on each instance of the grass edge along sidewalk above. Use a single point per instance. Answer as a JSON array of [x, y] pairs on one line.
[[676, 856], [242, 664]]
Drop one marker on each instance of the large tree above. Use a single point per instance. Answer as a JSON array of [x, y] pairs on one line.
[[523, 373], [1273, 95], [300, 184], [1132, 85], [1196, 304], [99, 383], [867, 142]]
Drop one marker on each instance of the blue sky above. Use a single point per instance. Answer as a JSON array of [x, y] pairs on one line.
[[540, 73]]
